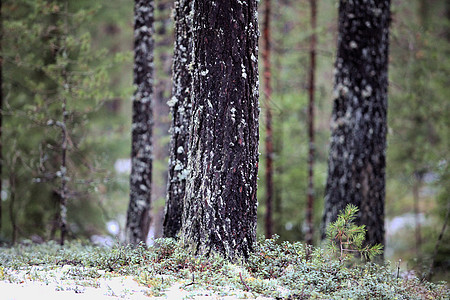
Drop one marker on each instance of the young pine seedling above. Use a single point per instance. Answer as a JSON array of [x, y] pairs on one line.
[[346, 238]]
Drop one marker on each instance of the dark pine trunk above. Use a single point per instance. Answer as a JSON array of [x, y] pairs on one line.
[[138, 215], [356, 164], [311, 91], [220, 201], [180, 106], [269, 139]]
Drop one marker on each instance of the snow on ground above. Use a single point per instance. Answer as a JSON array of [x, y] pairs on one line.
[[39, 283]]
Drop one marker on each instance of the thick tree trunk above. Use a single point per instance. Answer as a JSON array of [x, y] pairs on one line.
[[138, 215], [220, 201], [356, 165], [180, 106], [311, 91], [269, 140]]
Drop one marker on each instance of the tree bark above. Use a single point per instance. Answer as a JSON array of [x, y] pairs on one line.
[[138, 215], [180, 106], [163, 87], [220, 200], [311, 90], [63, 188], [417, 178], [268, 115], [356, 164]]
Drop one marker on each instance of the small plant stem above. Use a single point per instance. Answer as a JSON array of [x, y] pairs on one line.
[[243, 282]]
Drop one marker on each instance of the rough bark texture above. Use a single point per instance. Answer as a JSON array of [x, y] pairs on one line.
[[268, 115], [356, 165], [220, 201], [138, 215], [311, 90], [180, 106]]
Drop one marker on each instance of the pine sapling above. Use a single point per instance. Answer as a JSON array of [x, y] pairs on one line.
[[346, 238]]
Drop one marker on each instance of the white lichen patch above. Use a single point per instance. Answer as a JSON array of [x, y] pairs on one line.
[[172, 101], [353, 45], [233, 114], [367, 92], [244, 74]]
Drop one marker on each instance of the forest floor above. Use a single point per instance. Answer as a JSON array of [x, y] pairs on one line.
[[57, 283], [167, 270]]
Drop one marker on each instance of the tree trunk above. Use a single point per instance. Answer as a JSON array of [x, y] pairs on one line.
[[163, 87], [220, 201], [138, 215], [12, 213], [438, 243], [63, 189], [356, 164], [416, 196], [423, 12], [311, 89], [63, 192], [180, 106], [269, 140]]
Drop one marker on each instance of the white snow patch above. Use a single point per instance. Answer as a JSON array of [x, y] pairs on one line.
[[123, 166]]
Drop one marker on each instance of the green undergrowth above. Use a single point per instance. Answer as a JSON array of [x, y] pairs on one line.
[[279, 270]]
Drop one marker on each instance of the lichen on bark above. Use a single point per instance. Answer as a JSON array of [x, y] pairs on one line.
[[356, 165], [220, 200], [180, 106], [138, 215]]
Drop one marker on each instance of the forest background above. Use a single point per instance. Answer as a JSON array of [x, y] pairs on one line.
[[96, 79]]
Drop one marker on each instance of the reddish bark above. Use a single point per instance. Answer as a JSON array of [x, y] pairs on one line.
[[311, 90]]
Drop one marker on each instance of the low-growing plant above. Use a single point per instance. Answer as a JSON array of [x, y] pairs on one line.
[[347, 239], [279, 270]]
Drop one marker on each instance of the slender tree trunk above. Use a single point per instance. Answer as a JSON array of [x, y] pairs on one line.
[[163, 72], [416, 188], [12, 214], [356, 164], [220, 200], [278, 187], [180, 106], [311, 91], [269, 139], [12, 177], [138, 215], [63, 193], [424, 12]]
